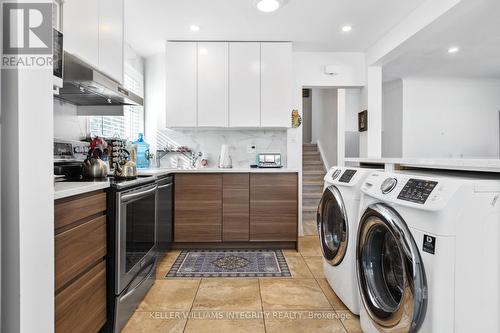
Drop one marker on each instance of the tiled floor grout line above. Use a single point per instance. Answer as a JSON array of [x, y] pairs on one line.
[[316, 279], [262, 305], [192, 304]]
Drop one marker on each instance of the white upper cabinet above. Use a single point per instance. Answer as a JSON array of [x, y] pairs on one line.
[[181, 84], [276, 84], [81, 29], [235, 84], [111, 38], [213, 84], [244, 84], [93, 31]]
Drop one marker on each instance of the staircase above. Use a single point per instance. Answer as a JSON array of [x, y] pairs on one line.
[[313, 172]]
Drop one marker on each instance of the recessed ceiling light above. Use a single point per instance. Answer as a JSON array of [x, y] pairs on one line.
[[268, 6], [453, 49], [194, 28], [346, 28]]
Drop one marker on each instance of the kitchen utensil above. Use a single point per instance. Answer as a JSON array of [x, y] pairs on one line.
[[128, 170], [94, 168]]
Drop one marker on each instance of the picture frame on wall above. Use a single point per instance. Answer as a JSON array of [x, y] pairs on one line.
[[363, 121]]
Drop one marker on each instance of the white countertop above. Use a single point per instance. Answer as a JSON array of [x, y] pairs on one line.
[[460, 164], [68, 189], [164, 171]]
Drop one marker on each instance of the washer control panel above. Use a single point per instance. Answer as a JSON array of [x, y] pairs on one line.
[[388, 185], [417, 190], [347, 176], [335, 174]]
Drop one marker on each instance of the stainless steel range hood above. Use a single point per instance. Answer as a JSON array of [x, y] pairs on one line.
[[84, 85]]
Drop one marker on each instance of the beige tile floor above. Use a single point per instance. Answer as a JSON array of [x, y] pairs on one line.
[[303, 303]]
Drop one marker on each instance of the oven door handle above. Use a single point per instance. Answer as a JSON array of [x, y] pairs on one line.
[[165, 186], [146, 277], [135, 195]]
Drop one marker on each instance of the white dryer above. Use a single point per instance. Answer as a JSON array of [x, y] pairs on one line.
[[337, 220], [428, 253]]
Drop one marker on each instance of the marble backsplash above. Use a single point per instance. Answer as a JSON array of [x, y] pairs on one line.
[[209, 142]]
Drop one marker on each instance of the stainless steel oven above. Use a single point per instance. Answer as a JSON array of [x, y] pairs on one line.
[[132, 238], [136, 232]]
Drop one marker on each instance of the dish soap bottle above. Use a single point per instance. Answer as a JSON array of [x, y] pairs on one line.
[[142, 152]]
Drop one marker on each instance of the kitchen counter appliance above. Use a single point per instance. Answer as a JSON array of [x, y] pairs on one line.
[[269, 160]]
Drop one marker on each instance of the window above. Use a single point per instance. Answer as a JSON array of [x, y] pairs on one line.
[[132, 122]]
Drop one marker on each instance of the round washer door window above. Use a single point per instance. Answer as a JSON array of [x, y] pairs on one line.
[[391, 276], [332, 226]]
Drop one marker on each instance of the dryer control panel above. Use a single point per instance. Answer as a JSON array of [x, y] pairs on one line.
[[347, 176], [417, 190]]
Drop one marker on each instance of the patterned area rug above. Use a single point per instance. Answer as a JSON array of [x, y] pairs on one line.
[[230, 263]]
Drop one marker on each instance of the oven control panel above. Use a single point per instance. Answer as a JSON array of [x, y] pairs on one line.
[[417, 190], [347, 176]]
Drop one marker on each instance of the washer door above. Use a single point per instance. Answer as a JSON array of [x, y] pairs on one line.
[[390, 271], [332, 225]]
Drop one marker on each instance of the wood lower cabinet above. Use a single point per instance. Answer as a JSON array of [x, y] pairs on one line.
[[81, 307], [80, 266], [236, 207], [198, 208], [273, 207]]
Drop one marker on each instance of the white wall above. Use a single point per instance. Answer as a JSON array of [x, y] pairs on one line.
[[310, 68], [353, 105], [392, 119], [451, 118], [27, 201], [324, 129]]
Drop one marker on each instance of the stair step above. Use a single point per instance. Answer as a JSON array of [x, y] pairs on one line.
[[310, 152], [313, 167], [309, 148], [313, 182], [314, 172], [310, 208], [313, 162], [308, 178], [312, 195]]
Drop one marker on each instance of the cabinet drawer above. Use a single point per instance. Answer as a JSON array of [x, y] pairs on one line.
[[78, 249], [81, 307], [70, 210]]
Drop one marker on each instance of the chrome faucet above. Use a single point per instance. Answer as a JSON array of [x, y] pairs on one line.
[[160, 153], [193, 157]]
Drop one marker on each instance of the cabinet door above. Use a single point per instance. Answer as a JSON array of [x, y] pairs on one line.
[[213, 84], [181, 84], [244, 84], [111, 38], [81, 29], [198, 208], [273, 207], [235, 207], [276, 84], [81, 307]]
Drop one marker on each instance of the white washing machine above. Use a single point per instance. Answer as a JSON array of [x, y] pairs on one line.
[[337, 220], [428, 253]]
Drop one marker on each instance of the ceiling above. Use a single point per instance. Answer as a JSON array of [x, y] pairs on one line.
[[313, 25], [473, 26]]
